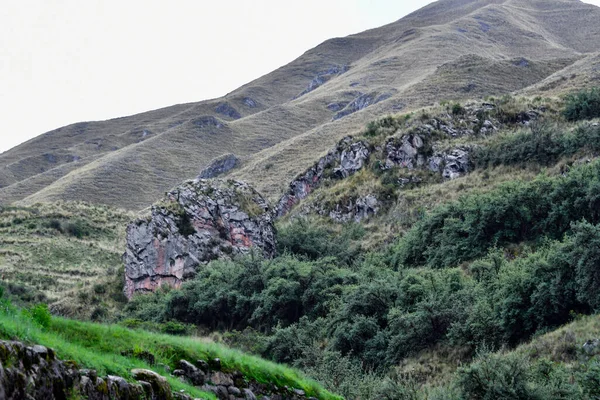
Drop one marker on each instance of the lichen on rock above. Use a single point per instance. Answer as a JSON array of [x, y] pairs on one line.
[[199, 221]]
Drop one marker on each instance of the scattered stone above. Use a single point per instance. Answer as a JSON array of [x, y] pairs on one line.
[[352, 159], [249, 395], [207, 122], [203, 365], [249, 102], [221, 379], [234, 391], [195, 375], [215, 364]]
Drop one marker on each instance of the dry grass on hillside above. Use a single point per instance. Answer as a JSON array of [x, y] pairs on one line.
[[448, 50], [68, 254]]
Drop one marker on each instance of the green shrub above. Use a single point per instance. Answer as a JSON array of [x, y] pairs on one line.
[[492, 377], [55, 224], [174, 328], [185, 226], [457, 109], [583, 105], [99, 313], [39, 314], [77, 228], [541, 143], [512, 213], [308, 238], [99, 288]]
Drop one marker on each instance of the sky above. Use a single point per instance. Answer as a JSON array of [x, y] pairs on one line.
[[65, 61]]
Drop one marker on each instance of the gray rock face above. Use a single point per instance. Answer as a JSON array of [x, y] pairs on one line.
[[415, 149], [591, 346], [357, 211], [219, 166], [360, 103], [249, 102], [407, 152], [348, 156], [352, 159], [200, 221], [208, 121], [227, 110], [404, 152], [323, 77], [456, 163]]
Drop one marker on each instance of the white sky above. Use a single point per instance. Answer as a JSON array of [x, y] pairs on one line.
[[65, 61]]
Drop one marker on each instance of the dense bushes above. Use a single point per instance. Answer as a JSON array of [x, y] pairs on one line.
[[512, 213], [250, 292], [380, 316], [312, 240], [490, 270], [583, 105], [541, 143]]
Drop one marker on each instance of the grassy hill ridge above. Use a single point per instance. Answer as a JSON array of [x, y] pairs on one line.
[[448, 50]]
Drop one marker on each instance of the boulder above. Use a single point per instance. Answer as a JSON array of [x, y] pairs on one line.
[[200, 221], [160, 386], [195, 375], [219, 166]]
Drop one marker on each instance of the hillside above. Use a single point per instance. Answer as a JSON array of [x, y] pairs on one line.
[[278, 123], [433, 231]]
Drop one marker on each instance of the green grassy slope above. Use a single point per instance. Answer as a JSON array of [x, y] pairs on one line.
[[111, 349]]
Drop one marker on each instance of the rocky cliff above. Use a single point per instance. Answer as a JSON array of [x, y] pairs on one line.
[[200, 221], [424, 144]]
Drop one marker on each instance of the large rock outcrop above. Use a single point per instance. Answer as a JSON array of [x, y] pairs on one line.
[[200, 221], [421, 144], [348, 157]]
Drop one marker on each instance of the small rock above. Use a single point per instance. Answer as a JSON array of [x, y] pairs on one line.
[[591, 345], [195, 375], [203, 365], [160, 386], [220, 378], [249, 395], [222, 393], [234, 391]]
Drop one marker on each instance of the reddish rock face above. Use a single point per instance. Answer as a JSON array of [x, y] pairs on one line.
[[198, 222]]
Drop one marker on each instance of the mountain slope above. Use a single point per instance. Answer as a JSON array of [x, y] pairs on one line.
[[279, 124]]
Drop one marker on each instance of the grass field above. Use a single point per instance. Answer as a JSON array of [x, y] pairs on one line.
[[101, 347], [66, 254]]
